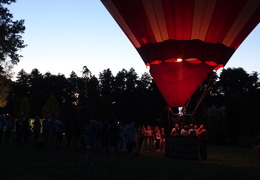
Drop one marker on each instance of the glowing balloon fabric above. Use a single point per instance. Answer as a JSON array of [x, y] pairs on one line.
[[203, 33]]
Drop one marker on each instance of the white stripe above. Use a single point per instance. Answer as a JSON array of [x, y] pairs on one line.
[[155, 13], [242, 19], [203, 12]]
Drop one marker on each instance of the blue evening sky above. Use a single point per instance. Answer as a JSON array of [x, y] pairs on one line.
[[65, 35]]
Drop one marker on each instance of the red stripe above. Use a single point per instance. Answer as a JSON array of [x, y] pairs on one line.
[[179, 18], [183, 11], [179, 21], [252, 23], [136, 18], [169, 18], [225, 13], [188, 18]]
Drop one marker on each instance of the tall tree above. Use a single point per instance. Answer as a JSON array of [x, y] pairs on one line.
[[73, 89], [59, 89], [92, 102], [120, 81], [131, 79], [239, 93], [145, 81], [10, 44], [232, 80], [20, 90], [36, 91], [106, 80], [10, 34]]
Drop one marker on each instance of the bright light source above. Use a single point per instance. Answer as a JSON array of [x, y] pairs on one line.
[[179, 60], [180, 111]]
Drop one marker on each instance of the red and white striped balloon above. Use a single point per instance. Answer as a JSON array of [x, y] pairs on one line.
[[183, 41]]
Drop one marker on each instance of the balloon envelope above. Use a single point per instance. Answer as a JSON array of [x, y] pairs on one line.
[[183, 41]]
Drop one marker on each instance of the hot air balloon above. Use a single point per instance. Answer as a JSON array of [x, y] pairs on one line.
[[183, 41]]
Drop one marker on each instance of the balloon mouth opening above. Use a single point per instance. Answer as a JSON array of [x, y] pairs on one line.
[[190, 60]]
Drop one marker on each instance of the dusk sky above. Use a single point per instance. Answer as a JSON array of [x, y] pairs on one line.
[[63, 36]]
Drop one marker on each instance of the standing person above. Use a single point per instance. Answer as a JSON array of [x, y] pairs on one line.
[[185, 131], [52, 131], [104, 137], [45, 131], [163, 136], [121, 142], [2, 126], [90, 135], [8, 127], [36, 129], [175, 130], [18, 129], [157, 137], [59, 130], [68, 131], [130, 137], [26, 131], [149, 138], [113, 132], [142, 136], [192, 131], [77, 131], [202, 135]]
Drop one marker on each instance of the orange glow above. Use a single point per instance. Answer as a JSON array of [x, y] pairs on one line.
[[171, 60], [211, 63], [156, 62], [193, 60]]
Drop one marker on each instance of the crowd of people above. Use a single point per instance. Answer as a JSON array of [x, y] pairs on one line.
[[25, 131], [125, 137], [193, 131], [109, 137], [98, 136], [114, 137]]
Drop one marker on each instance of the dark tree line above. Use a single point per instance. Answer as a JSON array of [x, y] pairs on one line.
[[106, 98], [232, 106], [229, 109]]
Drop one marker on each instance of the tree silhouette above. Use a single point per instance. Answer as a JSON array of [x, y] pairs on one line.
[[36, 91], [233, 102], [5, 89], [10, 44], [20, 90], [51, 107], [106, 80], [10, 35]]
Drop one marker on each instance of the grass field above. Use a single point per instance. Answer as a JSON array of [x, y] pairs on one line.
[[26, 163]]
